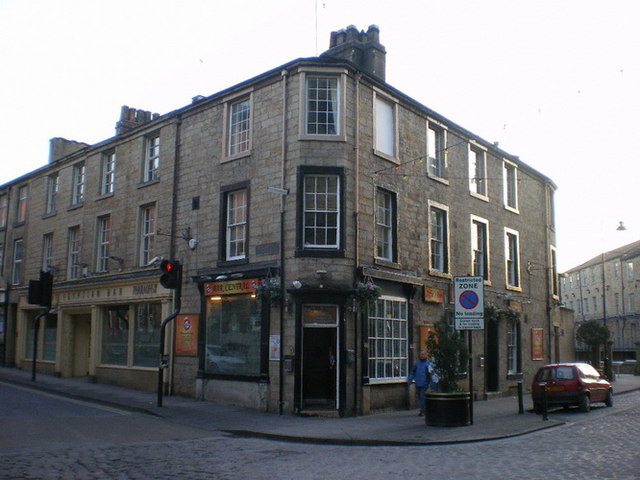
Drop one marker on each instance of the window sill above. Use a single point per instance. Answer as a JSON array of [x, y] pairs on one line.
[[308, 252], [438, 273], [512, 209], [75, 206], [387, 263], [479, 196], [325, 138], [438, 179], [513, 288], [49, 215], [236, 156], [231, 263], [386, 156], [19, 224], [105, 195], [149, 182]]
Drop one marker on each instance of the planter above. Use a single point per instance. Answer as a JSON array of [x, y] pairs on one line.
[[447, 409]]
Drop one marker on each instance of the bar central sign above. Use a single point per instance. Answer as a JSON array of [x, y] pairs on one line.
[[232, 287], [468, 294]]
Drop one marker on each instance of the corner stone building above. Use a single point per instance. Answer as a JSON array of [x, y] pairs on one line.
[[310, 182]]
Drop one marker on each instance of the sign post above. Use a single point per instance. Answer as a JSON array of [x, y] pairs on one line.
[[468, 293]]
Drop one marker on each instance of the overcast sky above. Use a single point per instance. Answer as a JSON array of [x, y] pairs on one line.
[[554, 81]]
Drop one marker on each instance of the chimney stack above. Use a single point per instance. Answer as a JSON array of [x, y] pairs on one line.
[[131, 118], [361, 48], [61, 147]]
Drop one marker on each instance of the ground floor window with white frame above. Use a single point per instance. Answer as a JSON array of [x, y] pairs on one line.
[[388, 341]]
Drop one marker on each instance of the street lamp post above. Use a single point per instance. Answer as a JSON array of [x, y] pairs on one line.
[[608, 350]]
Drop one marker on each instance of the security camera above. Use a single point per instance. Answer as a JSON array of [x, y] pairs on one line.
[[296, 284], [155, 259]]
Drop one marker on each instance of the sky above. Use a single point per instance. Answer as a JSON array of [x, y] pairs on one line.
[[553, 81]]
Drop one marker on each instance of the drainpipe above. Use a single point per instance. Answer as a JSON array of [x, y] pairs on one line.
[[356, 256], [283, 159], [174, 208]]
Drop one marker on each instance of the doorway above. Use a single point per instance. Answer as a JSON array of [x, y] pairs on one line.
[[492, 360], [320, 358], [81, 345]]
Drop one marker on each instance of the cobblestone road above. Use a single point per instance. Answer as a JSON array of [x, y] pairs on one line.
[[601, 444]]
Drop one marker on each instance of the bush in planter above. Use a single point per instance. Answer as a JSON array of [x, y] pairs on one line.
[[449, 407], [448, 351]]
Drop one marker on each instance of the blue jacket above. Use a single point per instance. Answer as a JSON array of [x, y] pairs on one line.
[[420, 373]]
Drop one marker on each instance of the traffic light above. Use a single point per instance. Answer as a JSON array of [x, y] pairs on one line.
[[171, 274], [40, 291]]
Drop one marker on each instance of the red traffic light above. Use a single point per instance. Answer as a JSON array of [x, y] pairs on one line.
[[172, 274], [167, 266]]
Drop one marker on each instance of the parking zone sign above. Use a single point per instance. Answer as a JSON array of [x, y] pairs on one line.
[[469, 303]]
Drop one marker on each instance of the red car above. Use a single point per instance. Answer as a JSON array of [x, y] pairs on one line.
[[570, 384]]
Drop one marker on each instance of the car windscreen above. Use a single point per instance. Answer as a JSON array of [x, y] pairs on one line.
[[556, 373]]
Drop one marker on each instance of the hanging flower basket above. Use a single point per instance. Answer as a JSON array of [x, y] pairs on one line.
[[269, 289], [366, 294]]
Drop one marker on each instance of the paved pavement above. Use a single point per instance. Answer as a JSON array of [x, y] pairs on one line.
[[493, 419]]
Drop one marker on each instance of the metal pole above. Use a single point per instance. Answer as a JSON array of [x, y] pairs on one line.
[[470, 378], [162, 363]]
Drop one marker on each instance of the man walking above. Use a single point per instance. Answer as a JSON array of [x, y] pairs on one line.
[[420, 374]]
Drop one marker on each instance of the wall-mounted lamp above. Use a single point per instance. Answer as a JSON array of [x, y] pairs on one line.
[[193, 243], [221, 277], [297, 284]]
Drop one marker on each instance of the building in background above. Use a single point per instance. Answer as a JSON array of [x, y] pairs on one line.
[[288, 198], [605, 289]]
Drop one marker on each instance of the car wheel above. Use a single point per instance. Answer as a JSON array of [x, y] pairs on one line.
[[609, 400], [585, 403]]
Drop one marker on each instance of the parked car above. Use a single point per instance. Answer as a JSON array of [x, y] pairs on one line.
[[570, 384]]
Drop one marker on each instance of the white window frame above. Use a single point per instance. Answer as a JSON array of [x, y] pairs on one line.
[[78, 183], [53, 185], [478, 181], [108, 173], [512, 259], [238, 131], [510, 180], [553, 271], [390, 334], [151, 158], [439, 241], [147, 233], [437, 151], [385, 224], [323, 228], [385, 126], [512, 348], [18, 262], [477, 249], [73, 256], [4, 210], [333, 73], [103, 243], [22, 204], [237, 208], [47, 251]]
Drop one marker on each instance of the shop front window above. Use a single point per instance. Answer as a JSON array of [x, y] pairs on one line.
[[47, 327], [146, 338], [115, 335], [233, 335], [49, 339]]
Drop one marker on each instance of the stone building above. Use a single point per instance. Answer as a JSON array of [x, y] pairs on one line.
[[308, 185], [604, 289]]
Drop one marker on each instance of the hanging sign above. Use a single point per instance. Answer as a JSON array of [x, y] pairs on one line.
[[468, 294]]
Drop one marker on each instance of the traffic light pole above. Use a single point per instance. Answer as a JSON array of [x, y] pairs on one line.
[[164, 362]]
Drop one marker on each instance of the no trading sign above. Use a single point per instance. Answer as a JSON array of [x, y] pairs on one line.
[[468, 293]]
